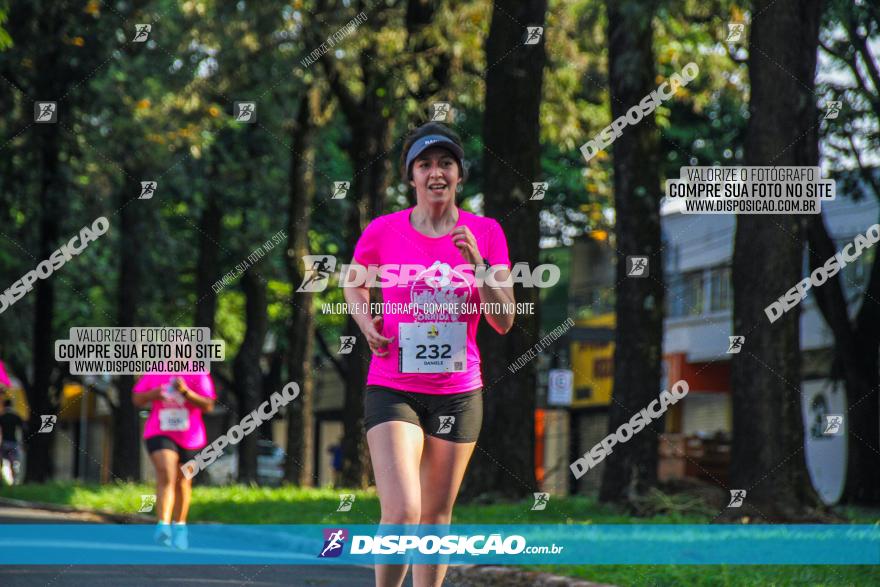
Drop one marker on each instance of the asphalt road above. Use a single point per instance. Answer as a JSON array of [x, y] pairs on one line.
[[152, 575]]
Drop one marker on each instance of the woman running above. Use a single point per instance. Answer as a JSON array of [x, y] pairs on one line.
[[174, 433], [423, 405]]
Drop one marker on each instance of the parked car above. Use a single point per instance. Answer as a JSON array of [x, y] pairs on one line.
[[270, 465]]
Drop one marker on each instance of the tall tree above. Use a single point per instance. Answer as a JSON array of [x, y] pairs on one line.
[[767, 456], [848, 29], [632, 469], [47, 37], [371, 141], [126, 434], [504, 460], [300, 430], [248, 376]]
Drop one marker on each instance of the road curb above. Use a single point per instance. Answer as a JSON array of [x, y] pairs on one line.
[[67, 509], [489, 576]]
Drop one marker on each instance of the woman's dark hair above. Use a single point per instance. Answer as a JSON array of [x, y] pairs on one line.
[[429, 128]]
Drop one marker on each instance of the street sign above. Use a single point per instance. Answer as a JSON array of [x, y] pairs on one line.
[[559, 387]]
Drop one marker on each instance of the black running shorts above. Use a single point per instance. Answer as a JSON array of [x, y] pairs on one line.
[[155, 443], [456, 417]]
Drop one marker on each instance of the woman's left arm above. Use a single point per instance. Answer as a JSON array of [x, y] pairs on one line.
[[203, 403], [500, 295]]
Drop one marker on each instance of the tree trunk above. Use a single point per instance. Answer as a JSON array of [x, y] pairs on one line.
[[767, 457], [371, 143], [856, 351], [632, 468], [248, 377], [504, 462], [207, 269], [126, 431], [39, 461], [298, 465], [373, 140]]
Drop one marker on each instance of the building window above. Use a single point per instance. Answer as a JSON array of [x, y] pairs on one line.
[[685, 297], [721, 295]]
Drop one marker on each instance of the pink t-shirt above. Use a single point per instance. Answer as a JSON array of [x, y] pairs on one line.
[[181, 422], [391, 239], [4, 378]]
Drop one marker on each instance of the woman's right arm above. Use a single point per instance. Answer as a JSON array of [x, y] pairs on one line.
[[142, 399], [358, 299]]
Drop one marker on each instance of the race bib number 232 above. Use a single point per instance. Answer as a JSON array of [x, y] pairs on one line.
[[433, 347]]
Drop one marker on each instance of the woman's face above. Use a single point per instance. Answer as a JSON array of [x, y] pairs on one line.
[[435, 176]]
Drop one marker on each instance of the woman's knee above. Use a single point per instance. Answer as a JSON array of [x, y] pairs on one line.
[[441, 517], [163, 479], [401, 513]]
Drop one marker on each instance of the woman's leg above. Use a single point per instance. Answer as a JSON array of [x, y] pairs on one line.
[[395, 450], [442, 469], [182, 493], [165, 461]]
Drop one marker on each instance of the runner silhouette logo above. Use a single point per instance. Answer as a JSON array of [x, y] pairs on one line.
[[334, 542], [47, 423], [318, 271], [446, 424]]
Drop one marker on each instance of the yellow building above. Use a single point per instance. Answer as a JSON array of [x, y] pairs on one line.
[[592, 361]]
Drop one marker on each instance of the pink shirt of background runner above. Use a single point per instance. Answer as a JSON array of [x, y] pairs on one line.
[[4, 378], [391, 239], [194, 437]]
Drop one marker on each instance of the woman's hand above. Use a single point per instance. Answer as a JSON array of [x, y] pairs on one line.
[[180, 385], [375, 339], [464, 239]]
